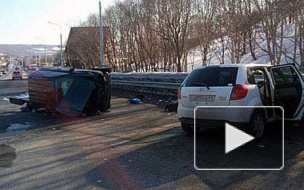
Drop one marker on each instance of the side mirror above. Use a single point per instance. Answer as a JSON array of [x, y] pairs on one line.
[[261, 83]]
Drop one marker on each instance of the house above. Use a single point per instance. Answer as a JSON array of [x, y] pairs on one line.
[[83, 47]]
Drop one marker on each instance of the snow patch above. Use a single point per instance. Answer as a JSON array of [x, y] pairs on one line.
[[214, 57], [19, 127], [5, 99], [153, 77], [22, 96]]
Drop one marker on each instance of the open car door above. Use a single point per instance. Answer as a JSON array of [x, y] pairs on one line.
[[288, 89]]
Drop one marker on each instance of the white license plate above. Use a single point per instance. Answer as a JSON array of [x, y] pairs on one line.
[[202, 98]]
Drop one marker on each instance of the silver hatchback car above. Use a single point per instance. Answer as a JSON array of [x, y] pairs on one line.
[[240, 85]]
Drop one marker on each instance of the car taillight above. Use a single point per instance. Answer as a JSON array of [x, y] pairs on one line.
[[238, 92], [179, 96]]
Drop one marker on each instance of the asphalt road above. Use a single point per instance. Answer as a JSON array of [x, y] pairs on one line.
[[128, 147]]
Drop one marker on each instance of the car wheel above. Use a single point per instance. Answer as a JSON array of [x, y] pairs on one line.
[[13, 78], [188, 129], [257, 124]]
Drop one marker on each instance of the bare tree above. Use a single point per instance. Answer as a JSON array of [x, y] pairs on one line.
[[153, 35], [203, 27], [173, 19], [272, 19]]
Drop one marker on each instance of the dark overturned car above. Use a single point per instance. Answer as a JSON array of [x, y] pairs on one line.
[[70, 92]]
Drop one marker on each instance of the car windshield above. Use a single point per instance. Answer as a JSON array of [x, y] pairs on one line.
[[212, 76]]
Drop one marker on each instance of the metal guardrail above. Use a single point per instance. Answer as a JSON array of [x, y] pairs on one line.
[[160, 85]]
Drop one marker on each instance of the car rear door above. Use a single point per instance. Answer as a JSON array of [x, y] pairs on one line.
[[288, 89], [208, 86]]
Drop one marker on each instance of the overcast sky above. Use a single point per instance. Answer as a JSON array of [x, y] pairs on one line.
[[26, 21]]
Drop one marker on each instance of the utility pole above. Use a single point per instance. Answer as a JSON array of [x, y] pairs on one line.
[[45, 56], [39, 63], [101, 36], [61, 53], [61, 57]]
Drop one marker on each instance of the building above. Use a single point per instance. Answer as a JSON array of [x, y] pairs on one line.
[[83, 47], [4, 60]]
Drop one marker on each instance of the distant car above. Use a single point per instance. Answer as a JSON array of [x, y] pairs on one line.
[[16, 75], [1, 74]]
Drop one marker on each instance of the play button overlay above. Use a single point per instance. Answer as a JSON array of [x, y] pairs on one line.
[[229, 145], [235, 138]]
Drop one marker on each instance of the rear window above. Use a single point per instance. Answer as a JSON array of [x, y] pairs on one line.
[[212, 76], [16, 72]]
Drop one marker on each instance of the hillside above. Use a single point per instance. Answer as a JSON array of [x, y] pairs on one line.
[[214, 57], [27, 50]]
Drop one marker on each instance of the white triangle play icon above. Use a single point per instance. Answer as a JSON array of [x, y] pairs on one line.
[[235, 138]]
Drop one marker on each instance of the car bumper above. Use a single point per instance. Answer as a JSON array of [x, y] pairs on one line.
[[203, 123], [227, 114]]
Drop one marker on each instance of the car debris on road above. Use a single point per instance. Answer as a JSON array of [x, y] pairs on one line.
[[135, 101]]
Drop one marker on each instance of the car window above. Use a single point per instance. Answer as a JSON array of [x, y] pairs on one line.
[[255, 75], [283, 75], [212, 77]]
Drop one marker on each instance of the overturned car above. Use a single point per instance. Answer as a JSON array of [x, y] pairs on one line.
[[69, 91]]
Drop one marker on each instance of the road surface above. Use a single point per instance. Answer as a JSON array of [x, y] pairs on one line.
[[128, 147]]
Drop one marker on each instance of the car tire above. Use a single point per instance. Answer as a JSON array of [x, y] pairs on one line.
[[13, 78], [189, 129], [257, 124]]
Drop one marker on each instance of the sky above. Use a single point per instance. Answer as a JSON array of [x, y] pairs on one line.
[[26, 21]]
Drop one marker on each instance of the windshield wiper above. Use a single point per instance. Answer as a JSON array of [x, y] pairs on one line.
[[201, 84]]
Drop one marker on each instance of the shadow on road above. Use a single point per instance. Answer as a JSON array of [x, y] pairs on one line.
[[7, 155], [168, 163], [52, 157]]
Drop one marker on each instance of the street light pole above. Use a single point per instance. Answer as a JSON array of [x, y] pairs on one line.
[[61, 57], [39, 63], [45, 56], [101, 36]]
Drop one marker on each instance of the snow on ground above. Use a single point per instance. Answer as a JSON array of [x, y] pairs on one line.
[[195, 59], [150, 76], [23, 96], [19, 127], [20, 96]]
